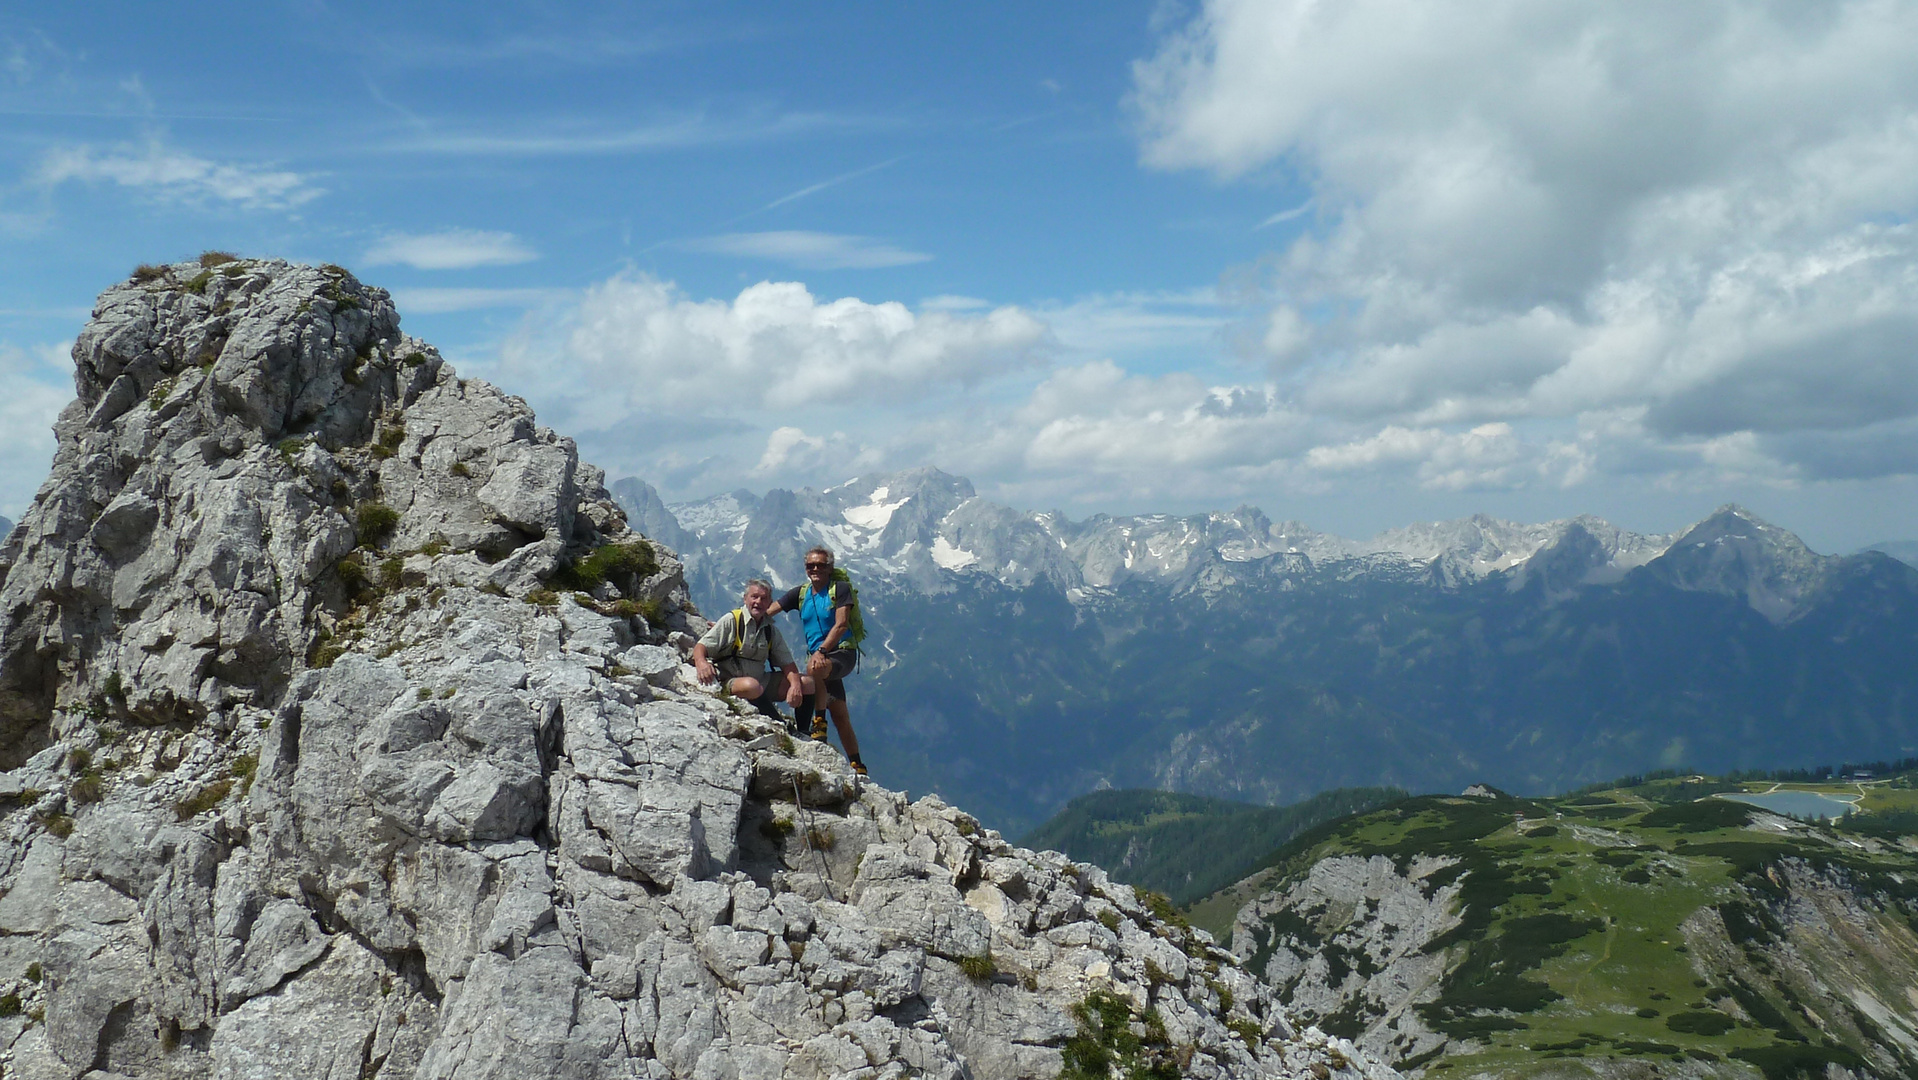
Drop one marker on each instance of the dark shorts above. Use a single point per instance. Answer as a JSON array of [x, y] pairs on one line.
[[769, 681], [843, 661]]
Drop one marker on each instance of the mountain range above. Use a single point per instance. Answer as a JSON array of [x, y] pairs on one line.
[[1018, 659]]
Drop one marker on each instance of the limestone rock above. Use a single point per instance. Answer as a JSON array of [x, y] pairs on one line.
[[1351, 938], [348, 733]]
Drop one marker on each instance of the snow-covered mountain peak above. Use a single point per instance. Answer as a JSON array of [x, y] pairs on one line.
[[924, 528]]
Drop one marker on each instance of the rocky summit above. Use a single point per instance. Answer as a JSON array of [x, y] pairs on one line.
[[349, 733]]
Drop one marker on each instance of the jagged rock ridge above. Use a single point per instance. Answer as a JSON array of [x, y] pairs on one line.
[[349, 735]]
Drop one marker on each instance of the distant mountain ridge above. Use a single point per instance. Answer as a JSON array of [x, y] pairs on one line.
[[6, 526], [1016, 659], [1905, 551], [912, 525]]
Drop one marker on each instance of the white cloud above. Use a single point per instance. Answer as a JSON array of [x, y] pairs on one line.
[[450, 249], [950, 302], [571, 137], [442, 301], [792, 452], [1093, 431], [808, 250], [1184, 324], [35, 384], [1699, 214], [173, 174], [637, 345], [1487, 456], [1286, 215]]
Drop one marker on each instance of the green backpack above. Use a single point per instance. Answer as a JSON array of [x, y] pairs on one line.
[[855, 623]]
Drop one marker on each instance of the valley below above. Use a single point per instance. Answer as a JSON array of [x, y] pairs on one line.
[[1649, 928]]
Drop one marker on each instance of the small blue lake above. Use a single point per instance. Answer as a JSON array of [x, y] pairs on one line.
[[1798, 804]]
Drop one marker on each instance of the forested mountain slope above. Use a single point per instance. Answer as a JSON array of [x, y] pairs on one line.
[[1187, 846]]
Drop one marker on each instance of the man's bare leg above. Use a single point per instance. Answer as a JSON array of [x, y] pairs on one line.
[[820, 669], [843, 721]]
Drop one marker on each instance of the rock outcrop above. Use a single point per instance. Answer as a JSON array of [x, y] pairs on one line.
[[349, 735], [1348, 940]]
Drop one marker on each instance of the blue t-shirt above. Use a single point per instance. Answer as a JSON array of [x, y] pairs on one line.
[[816, 611]]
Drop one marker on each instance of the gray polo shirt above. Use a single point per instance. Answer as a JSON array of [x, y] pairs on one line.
[[748, 655]]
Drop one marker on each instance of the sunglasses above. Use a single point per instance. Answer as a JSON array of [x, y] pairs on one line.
[[819, 566]]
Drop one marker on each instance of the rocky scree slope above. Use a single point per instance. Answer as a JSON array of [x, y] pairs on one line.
[[349, 735]]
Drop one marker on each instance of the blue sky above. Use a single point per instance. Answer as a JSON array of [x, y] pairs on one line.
[[1357, 264]]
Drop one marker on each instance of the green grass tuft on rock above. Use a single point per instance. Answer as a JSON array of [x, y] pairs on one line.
[[374, 522]]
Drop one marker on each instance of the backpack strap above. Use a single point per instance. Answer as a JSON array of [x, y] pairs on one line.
[[739, 632]]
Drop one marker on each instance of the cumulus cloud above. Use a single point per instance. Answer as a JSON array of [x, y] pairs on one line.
[[1114, 434], [634, 344], [808, 250], [1487, 456], [1697, 214], [450, 249], [36, 382], [172, 174], [791, 452]]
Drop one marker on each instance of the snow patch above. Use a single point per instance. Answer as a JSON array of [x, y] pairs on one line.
[[949, 557], [876, 513]]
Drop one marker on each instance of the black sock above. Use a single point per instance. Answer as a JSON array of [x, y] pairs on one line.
[[802, 714]]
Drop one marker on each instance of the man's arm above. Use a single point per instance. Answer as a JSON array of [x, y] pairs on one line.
[[701, 663], [841, 616]]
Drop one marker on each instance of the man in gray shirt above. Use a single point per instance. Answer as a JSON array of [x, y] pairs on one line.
[[738, 645]]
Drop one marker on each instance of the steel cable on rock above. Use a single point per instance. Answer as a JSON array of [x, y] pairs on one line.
[[825, 873]]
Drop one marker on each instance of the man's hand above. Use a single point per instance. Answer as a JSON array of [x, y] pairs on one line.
[[708, 674]]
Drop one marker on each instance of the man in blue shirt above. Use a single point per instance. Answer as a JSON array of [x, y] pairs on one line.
[[824, 608]]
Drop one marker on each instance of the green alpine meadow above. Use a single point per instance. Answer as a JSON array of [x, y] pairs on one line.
[[1672, 926]]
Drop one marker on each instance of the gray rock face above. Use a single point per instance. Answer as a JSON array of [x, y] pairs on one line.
[[349, 735], [1349, 939]]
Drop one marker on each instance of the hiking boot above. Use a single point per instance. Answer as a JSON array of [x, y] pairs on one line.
[[858, 766], [819, 729]]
